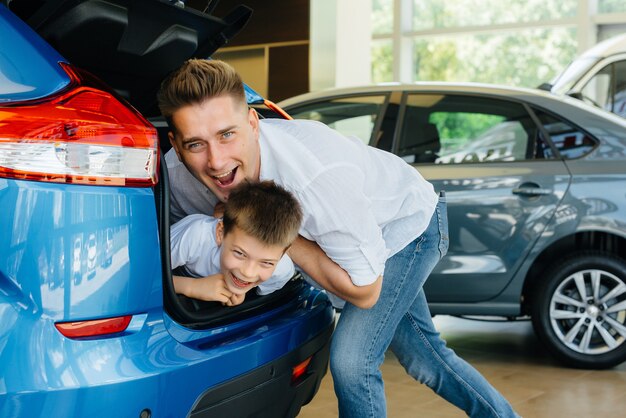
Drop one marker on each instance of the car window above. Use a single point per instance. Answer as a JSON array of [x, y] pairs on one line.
[[597, 91], [607, 89], [570, 141], [454, 129], [354, 116]]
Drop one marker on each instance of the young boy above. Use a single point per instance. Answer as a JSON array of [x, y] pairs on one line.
[[245, 249]]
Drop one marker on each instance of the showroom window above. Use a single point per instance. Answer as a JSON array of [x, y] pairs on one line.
[[519, 42]]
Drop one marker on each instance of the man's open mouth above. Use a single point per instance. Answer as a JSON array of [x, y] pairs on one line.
[[226, 179]]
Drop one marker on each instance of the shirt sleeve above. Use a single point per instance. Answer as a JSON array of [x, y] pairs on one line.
[[339, 217], [188, 241], [282, 274]]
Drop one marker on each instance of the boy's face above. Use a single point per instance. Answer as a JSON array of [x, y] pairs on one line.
[[218, 141], [245, 261]]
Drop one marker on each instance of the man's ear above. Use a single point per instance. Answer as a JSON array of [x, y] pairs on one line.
[[170, 136], [253, 119], [219, 232]]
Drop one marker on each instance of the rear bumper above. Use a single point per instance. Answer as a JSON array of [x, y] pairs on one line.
[[145, 369], [270, 391]]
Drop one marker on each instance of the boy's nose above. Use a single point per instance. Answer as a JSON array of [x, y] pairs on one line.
[[249, 271]]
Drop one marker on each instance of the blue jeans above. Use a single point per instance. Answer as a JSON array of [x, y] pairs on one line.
[[401, 320]]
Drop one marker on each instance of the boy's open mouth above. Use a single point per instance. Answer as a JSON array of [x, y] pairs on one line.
[[225, 179], [240, 283]]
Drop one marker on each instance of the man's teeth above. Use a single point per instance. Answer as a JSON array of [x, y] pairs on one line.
[[221, 176]]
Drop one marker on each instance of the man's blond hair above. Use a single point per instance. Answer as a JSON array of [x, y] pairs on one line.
[[265, 211], [196, 81]]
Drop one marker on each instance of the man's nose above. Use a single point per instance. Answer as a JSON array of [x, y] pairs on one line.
[[215, 158]]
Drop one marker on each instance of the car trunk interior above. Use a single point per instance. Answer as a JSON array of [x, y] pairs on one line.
[[132, 45]]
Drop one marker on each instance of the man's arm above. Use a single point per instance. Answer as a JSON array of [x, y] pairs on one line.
[[314, 261]]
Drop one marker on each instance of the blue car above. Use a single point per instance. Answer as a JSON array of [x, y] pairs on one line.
[[89, 323]]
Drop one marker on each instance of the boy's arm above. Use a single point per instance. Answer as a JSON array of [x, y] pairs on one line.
[[314, 261], [210, 288]]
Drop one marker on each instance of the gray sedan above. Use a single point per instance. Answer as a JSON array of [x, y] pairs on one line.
[[536, 188]]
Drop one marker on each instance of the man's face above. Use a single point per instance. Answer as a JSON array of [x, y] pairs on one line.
[[245, 261], [218, 141]]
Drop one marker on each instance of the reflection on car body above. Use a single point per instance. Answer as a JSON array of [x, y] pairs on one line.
[[91, 256], [77, 261]]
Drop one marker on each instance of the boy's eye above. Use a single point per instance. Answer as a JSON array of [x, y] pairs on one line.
[[238, 253], [267, 264]]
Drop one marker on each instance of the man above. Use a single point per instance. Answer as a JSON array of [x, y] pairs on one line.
[[367, 215]]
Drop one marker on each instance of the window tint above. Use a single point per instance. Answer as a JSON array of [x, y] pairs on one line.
[[619, 92], [451, 129], [598, 90], [354, 116], [569, 140], [607, 89]]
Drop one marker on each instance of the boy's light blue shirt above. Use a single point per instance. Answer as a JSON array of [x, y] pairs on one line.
[[193, 245]]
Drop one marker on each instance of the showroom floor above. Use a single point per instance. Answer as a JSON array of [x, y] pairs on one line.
[[512, 359]]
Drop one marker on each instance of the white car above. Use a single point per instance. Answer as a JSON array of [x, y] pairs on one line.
[[598, 76]]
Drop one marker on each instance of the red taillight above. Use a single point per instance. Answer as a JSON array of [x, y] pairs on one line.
[[299, 370], [85, 135], [93, 328]]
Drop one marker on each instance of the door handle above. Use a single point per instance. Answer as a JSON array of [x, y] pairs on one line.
[[527, 190]]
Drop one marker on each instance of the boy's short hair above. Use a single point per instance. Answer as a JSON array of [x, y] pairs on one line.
[[265, 211], [196, 81]]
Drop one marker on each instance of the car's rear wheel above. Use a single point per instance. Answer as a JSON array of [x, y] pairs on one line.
[[579, 310]]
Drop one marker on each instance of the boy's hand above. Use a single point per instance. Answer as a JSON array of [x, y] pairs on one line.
[[210, 288], [218, 211], [235, 300]]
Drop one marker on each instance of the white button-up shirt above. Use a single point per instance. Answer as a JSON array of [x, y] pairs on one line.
[[361, 204]]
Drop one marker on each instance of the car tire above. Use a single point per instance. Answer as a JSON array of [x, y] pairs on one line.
[[579, 310]]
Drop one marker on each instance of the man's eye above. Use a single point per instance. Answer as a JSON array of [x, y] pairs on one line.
[[195, 146], [227, 135]]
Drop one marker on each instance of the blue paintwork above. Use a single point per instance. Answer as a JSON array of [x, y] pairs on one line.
[[144, 368], [252, 97], [29, 67]]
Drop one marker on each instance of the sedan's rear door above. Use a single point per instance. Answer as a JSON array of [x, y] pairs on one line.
[[486, 153]]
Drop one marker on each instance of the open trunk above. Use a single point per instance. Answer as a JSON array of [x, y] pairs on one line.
[[132, 45]]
